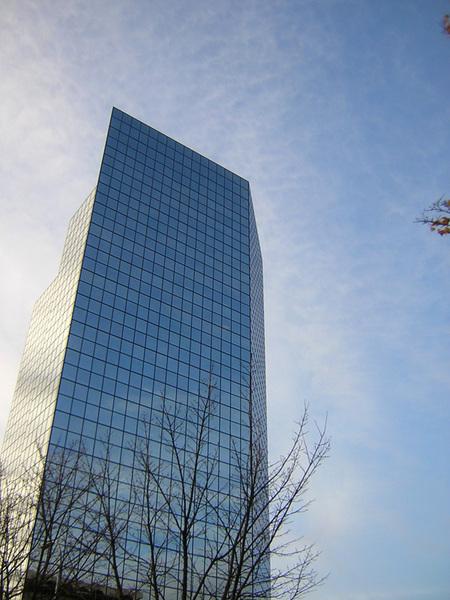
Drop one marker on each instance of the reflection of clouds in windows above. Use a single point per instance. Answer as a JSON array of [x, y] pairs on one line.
[[162, 308], [37, 384]]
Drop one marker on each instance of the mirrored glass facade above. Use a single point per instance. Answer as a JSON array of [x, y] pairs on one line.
[[153, 325]]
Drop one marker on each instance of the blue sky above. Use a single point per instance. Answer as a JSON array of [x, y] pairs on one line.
[[337, 112]]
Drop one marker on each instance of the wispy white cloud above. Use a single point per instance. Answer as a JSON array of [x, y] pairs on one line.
[[338, 124]]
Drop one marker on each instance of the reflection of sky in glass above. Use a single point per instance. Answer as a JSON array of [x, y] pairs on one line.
[[161, 306], [32, 409]]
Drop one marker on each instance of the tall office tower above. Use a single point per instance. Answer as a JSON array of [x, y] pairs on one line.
[[141, 393]]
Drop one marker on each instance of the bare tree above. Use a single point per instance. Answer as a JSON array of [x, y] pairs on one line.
[[44, 549], [272, 503], [17, 510], [179, 485], [195, 513], [60, 557], [112, 526], [211, 534]]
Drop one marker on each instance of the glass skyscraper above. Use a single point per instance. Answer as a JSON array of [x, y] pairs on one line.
[[143, 379]]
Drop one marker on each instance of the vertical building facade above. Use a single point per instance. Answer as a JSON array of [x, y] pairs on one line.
[[144, 373]]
